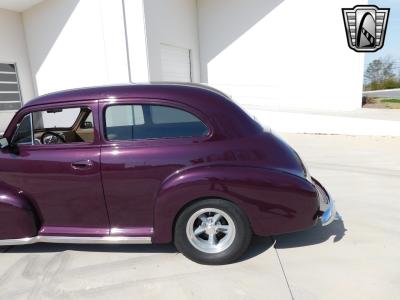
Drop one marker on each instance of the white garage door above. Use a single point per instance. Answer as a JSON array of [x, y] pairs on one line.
[[175, 64]]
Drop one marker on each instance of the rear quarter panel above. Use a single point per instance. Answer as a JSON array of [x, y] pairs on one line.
[[274, 201]]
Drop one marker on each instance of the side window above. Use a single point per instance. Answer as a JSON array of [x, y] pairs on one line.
[[124, 115], [56, 118], [63, 126], [168, 115], [56, 126], [137, 122]]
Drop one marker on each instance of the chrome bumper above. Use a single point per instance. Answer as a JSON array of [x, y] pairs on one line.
[[327, 205]]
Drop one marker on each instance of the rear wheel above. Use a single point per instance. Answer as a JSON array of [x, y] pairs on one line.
[[212, 231]]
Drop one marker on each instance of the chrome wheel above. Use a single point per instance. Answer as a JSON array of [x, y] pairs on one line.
[[211, 230]]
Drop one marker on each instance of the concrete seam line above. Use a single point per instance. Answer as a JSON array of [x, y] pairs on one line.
[[283, 270]]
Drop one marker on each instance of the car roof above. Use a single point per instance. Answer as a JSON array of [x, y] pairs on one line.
[[165, 90]]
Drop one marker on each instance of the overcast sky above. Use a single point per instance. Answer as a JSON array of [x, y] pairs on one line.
[[392, 41]]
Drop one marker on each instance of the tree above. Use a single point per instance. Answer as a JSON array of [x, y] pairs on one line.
[[373, 74], [380, 74]]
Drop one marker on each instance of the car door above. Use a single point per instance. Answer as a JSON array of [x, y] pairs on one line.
[[63, 181], [141, 148]]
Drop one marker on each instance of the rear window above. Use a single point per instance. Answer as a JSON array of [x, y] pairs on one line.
[[137, 122]]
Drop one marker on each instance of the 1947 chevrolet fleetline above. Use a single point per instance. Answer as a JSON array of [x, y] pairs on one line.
[[151, 163]]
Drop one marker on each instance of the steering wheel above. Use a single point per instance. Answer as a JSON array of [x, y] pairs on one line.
[[51, 137]]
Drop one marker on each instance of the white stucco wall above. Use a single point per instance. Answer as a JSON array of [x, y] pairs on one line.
[[76, 43], [171, 22], [280, 53], [13, 50], [136, 39]]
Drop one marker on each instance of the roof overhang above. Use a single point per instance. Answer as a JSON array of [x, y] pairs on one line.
[[18, 5]]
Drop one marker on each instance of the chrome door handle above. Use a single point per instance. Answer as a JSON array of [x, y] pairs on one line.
[[82, 164]]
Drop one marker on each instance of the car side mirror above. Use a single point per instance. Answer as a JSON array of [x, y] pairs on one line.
[[87, 125], [4, 143], [13, 148]]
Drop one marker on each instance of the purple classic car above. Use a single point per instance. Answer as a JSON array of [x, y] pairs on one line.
[[151, 163]]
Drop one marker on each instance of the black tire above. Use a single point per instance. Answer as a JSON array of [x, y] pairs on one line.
[[241, 240]]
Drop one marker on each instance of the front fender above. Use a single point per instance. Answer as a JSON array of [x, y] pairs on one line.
[[17, 217], [274, 201]]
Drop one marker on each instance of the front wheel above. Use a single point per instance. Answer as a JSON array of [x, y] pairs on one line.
[[212, 231]]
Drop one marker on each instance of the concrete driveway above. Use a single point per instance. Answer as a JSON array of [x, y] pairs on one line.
[[357, 258]]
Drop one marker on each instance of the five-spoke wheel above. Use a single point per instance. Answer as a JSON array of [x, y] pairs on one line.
[[212, 231]]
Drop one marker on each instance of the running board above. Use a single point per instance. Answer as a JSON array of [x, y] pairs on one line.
[[76, 240]]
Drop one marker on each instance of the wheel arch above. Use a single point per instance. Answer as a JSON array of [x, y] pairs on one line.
[[18, 218]]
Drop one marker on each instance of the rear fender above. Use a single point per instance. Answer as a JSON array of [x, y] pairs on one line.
[[17, 216], [274, 201]]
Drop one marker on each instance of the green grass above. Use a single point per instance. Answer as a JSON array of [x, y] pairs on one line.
[[391, 101]]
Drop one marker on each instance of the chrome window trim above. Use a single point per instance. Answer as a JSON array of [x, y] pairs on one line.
[[32, 130]]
